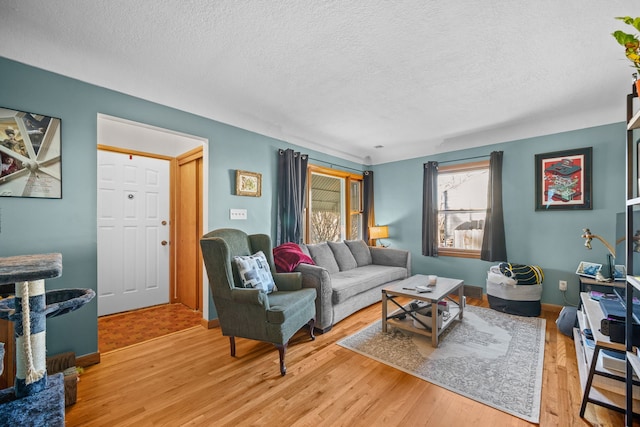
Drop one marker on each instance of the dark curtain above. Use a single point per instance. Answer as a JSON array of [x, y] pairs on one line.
[[494, 247], [292, 179], [430, 209], [368, 214]]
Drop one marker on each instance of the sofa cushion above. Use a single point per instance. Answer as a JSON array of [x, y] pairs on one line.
[[322, 255], [360, 252], [304, 249], [346, 284], [343, 256], [254, 272]]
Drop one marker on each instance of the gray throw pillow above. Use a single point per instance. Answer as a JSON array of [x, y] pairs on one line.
[[304, 249], [323, 256], [360, 252], [567, 320], [343, 256]]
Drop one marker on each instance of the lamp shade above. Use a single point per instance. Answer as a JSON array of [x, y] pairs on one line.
[[379, 232]]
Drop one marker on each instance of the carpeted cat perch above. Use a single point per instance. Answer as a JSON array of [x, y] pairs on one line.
[[36, 399]]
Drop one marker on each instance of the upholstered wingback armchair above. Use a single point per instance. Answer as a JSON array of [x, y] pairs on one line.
[[249, 312]]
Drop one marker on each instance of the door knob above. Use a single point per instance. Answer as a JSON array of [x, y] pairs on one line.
[[164, 243]]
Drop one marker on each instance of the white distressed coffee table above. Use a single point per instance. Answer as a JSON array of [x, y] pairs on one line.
[[403, 317]]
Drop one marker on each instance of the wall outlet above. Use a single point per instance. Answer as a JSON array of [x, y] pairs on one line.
[[237, 214], [563, 285]]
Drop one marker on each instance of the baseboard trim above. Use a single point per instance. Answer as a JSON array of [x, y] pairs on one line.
[[551, 307], [210, 324], [88, 360], [473, 291]]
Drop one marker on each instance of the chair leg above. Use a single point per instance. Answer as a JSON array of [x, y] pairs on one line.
[[232, 344], [312, 324], [282, 349]]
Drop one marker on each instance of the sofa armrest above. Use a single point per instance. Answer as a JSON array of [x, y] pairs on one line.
[[318, 278], [391, 257], [288, 281]]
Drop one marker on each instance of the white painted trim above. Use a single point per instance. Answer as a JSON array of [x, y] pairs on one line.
[[191, 141]]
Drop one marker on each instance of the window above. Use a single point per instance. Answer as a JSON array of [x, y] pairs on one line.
[[462, 206], [334, 205]]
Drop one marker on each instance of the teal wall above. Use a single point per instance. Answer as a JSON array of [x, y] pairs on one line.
[[549, 239], [28, 226], [68, 225]]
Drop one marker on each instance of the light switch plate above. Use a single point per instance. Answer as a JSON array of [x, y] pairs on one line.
[[237, 214]]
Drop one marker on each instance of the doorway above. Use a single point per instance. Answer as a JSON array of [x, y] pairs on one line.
[[133, 232], [155, 149]]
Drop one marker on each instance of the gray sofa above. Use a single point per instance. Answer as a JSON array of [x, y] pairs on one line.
[[349, 276]]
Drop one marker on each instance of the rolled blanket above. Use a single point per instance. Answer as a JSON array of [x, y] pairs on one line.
[[524, 274]]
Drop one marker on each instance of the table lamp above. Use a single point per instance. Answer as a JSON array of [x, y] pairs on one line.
[[379, 232]]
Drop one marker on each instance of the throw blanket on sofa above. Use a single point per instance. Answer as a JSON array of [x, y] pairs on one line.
[[288, 256], [523, 274]]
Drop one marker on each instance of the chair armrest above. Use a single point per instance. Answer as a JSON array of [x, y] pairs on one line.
[[288, 281], [391, 257], [250, 296]]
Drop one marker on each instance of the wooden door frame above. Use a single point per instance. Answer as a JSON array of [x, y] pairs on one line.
[[187, 157]]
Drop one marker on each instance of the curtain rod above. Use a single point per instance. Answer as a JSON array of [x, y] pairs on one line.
[[467, 158], [333, 164]]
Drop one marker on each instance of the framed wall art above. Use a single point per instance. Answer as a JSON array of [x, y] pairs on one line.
[[248, 183], [30, 155], [563, 180]]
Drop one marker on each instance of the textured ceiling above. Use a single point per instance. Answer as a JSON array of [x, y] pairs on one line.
[[417, 77]]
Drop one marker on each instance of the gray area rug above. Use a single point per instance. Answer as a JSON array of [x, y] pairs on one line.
[[489, 356]]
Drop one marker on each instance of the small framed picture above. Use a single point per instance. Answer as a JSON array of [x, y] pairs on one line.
[[588, 269], [563, 180], [248, 183], [619, 273]]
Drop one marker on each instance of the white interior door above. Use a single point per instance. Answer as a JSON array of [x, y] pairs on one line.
[[133, 232]]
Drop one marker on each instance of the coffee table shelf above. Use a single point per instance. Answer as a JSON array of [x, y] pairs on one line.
[[407, 322], [440, 292]]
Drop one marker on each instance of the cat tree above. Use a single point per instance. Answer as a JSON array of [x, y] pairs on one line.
[[35, 398]]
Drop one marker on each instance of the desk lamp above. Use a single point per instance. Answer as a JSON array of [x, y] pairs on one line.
[[587, 244]]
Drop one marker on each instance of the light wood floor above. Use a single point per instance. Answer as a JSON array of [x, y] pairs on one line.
[[188, 378]]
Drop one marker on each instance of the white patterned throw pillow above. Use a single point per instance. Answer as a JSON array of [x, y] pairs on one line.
[[255, 272]]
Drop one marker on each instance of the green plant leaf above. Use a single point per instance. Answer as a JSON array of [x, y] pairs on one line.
[[634, 22], [624, 38]]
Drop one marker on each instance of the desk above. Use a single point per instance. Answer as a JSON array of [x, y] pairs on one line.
[[587, 284]]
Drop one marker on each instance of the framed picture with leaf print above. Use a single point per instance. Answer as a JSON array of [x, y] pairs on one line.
[[248, 183]]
